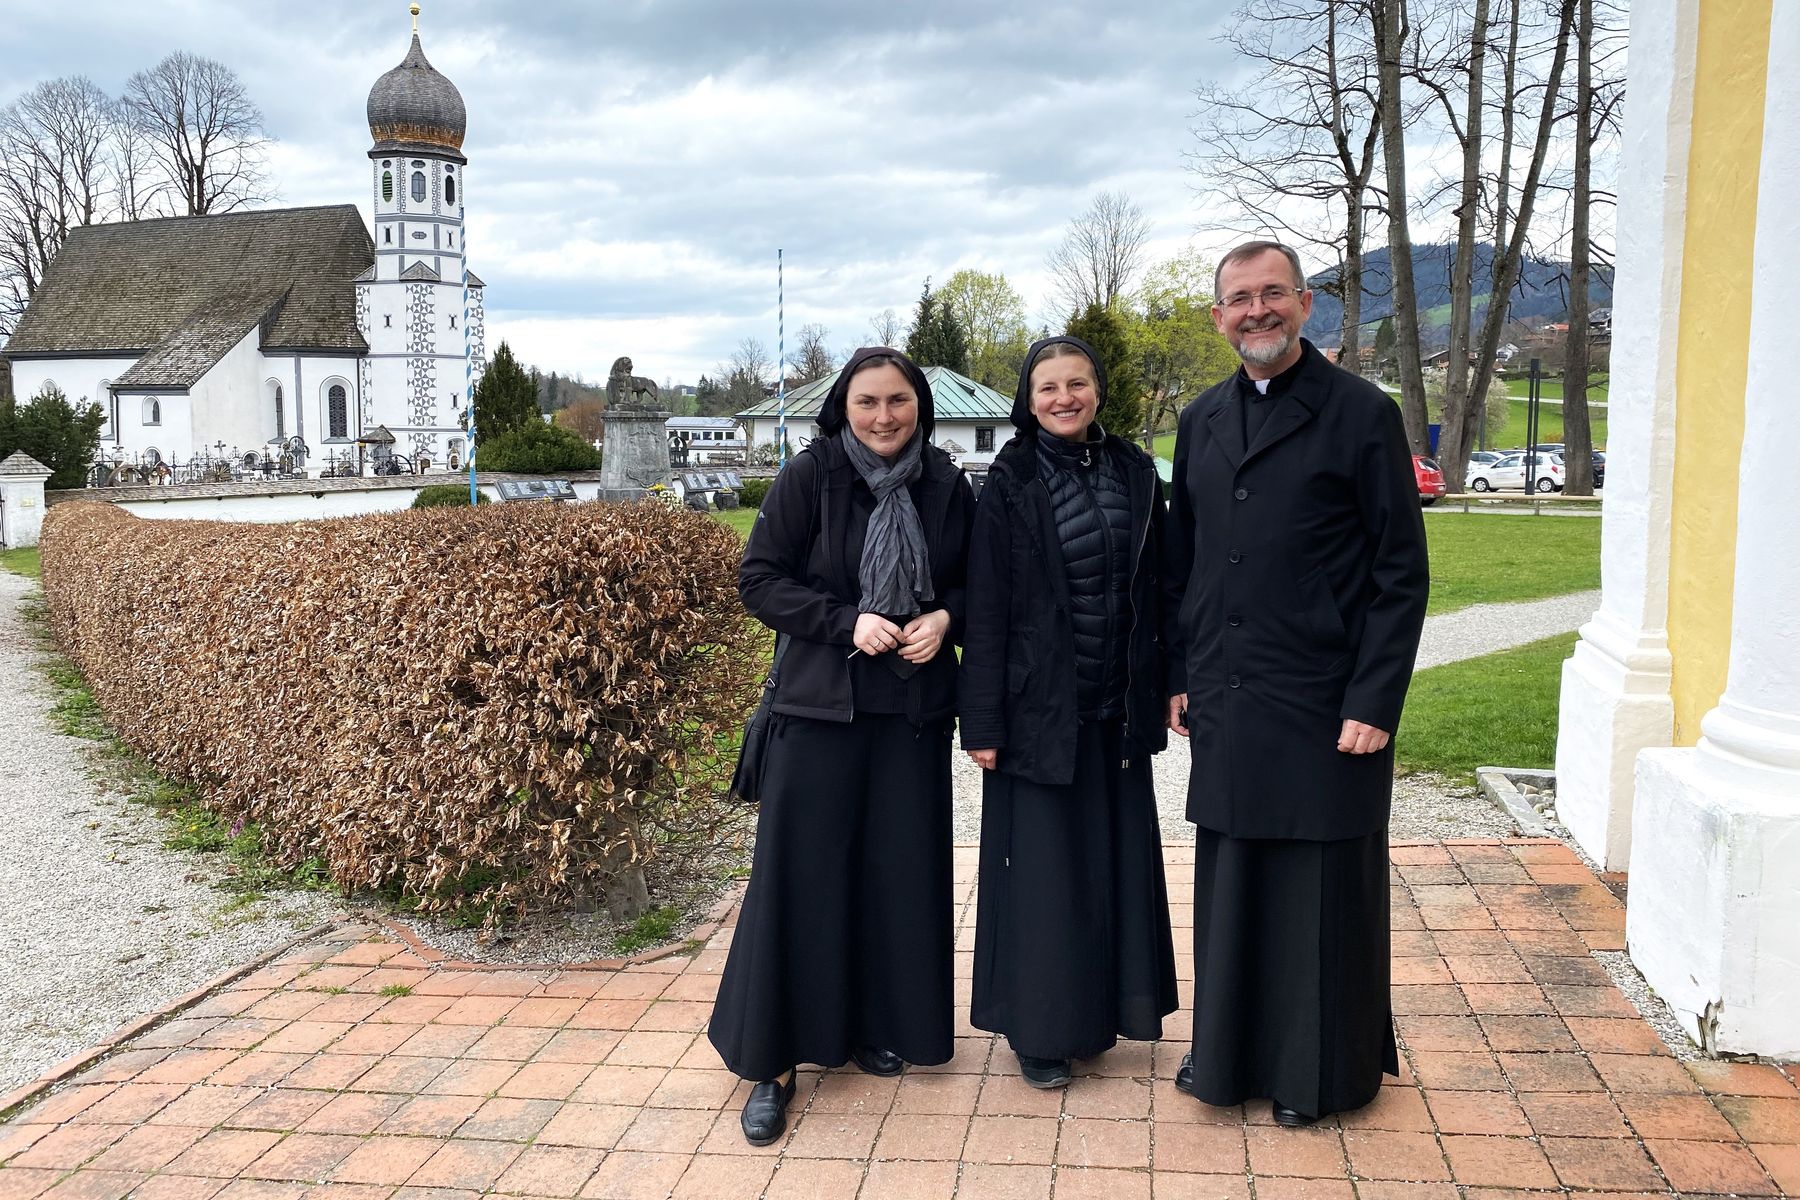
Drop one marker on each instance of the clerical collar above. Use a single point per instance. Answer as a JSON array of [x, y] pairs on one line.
[[1271, 388]]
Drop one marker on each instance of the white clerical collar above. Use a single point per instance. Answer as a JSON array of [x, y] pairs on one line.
[[1262, 385]]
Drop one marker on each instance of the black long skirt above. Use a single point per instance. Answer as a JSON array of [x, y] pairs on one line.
[[1072, 943], [1291, 971], [845, 935]]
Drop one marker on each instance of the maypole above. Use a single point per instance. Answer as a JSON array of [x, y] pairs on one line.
[[468, 360], [781, 381]]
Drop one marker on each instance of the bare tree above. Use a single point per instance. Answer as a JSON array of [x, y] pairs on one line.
[[1292, 152], [887, 327], [1101, 252], [55, 174], [1390, 26], [813, 358], [204, 131]]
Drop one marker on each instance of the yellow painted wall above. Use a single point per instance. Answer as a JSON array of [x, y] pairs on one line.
[[1731, 67]]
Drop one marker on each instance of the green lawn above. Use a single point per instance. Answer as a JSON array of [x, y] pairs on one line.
[[20, 562], [1498, 710], [1482, 558], [739, 519], [1552, 389], [1550, 426]]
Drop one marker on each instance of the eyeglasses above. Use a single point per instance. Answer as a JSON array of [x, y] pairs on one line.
[[1270, 297]]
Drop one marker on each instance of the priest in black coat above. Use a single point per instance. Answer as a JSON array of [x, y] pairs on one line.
[[1296, 569]]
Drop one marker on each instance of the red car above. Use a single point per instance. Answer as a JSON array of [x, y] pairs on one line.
[[1431, 479]]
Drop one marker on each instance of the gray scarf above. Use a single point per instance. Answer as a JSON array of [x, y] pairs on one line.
[[896, 567]]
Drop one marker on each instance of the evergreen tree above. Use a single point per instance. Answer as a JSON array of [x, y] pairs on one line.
[[1102, 329], [64, 437], [506, 398], [937, 338], [1384, 343]]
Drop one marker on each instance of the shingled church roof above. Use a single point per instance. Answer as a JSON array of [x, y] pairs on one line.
[[175, 289]]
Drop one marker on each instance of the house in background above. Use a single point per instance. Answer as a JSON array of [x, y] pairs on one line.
[[709, 439], [972, 420]]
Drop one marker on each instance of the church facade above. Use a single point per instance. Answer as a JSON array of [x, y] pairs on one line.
[[280, 331]]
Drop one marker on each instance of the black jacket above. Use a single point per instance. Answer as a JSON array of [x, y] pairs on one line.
[[1297, 582], [1018, 667], [1090, 499], [799, 574]]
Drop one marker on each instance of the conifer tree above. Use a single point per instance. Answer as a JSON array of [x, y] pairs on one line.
[[506, 398], [1102, 329], [937, 338]]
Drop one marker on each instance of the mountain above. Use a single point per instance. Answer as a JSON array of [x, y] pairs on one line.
[[1542, 293]]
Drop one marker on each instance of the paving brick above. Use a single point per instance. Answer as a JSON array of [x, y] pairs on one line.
[[223, 1153], [922, 1136], [1384, 1154], [1440, 1033], [550, 1170], [1711, 1167], [1782, 1163], [1680, 1117], [1604, 1035], [1291, 1188], [466, 1164], [1468, 1071], [507, 1119], [1315, 1153], [353, 1113], [1526, 1033], [1763, 1118], [817, 1178], [1497, 1162], [1742, 1079], [1011, 1140], [1399, 1107], [303, 1157], [386, 1160], [70, 1146], [1100, 1142], [627, 1175], [1002, 1181], [1646, 1073], [896, 1181], [1551, 1072], [619, 1085], [147, 1148], [431, 1116], [1123, 1099], [671, 1130], [833, 1135], [1100, 1183], [1478, 1112], [1574, 1114]]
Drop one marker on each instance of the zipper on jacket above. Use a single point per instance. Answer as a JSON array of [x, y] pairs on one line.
[[1106, 543], [1131, 599]]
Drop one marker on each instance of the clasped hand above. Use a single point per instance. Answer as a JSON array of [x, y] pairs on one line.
[[1355, 737], [918, 641]]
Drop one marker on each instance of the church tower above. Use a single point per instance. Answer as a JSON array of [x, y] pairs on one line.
[[411, 304]]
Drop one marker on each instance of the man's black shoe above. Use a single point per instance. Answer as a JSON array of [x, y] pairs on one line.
[[1184, 1075], [1044, 1072], [878, 1062], [765, 1112], [1292, 1118]]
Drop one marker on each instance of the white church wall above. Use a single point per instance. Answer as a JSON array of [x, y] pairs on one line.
[[78, 378], [226, 402]]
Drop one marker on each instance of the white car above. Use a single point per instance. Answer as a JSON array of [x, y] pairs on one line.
[[1509, 472]]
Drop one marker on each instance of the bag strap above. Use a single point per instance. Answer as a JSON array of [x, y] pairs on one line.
[[782, 640]]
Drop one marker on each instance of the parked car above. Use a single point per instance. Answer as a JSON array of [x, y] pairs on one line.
[[1599, 469], [1430, 478], [1484, 457], [1509, 472]]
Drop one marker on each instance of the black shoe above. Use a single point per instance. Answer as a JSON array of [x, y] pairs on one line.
[[1292, 1118], [1044, 1072], [1184, 1075], [765, 1112], [878, 1062]]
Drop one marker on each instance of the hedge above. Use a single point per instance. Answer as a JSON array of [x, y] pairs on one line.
[[446, 495], [489, 709], [753, 491]]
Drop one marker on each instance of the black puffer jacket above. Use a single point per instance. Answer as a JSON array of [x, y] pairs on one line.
[[1090, 500], [1018, 684]]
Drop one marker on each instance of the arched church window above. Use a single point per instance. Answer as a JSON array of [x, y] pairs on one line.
[[106, 408], [449, 189], [337, 405], [418, 185], [152, 411], [387, 186], [280, 420]]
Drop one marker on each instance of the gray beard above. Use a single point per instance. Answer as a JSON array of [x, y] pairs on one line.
[[1263, 356]]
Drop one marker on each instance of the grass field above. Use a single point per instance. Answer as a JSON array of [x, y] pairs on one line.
[[1550, 426], [20, 562], [1497, 710], [739, 519], [1552, 389], [1481, 558]]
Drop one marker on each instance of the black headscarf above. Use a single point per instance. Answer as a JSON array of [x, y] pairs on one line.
[[1022, 416]]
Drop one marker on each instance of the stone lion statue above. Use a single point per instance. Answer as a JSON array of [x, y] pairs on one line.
[[626, 391]]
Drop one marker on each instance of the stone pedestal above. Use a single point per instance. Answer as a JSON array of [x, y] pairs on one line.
[[22, 480], [635, 457]]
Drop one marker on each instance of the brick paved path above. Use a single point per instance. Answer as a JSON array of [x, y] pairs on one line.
[[1526, 1072]]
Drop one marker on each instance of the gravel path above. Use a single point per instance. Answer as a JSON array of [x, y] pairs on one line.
[[1425, 806], [101, 923]]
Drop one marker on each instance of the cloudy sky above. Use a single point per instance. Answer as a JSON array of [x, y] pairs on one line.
[[634, 164]]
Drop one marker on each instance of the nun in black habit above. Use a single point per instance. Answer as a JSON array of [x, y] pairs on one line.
[[843, 947], [1062, 704]]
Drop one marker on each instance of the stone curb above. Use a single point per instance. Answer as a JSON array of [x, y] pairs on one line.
[[1497, 784], [12, 1102]]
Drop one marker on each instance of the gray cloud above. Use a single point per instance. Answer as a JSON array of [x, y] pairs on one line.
[[635, 164]]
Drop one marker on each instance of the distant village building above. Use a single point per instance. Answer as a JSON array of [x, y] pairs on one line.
[[972, 420], [708, 439], [291, 328]]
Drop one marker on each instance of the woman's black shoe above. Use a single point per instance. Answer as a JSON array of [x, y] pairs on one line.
[[878, 1062], [765, 1112], [1184, 1074], [1044, 1072], [1292, 1118]]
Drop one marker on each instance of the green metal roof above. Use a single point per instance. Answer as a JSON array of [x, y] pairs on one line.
[[953, 398]]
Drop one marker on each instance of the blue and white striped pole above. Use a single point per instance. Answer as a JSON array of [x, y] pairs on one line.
[[468, 356], [781, 380]]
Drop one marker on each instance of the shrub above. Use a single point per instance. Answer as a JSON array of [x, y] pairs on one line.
[[482, 710], [537, 449], [64, 436], [752, 493], [446, 495]]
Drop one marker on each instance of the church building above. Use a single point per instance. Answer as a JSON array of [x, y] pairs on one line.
[[279, 329]]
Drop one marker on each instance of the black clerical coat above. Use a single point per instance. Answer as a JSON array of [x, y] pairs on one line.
[[1296, 576]]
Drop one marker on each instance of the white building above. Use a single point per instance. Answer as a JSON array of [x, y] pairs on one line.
[[229, 334], [972, 420], [709, 439]]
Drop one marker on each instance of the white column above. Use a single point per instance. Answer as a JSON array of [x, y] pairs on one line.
[[22, 480], [1714, 919], [1615, 689]]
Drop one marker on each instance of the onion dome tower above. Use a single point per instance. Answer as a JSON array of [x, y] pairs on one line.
[[417, 120]]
